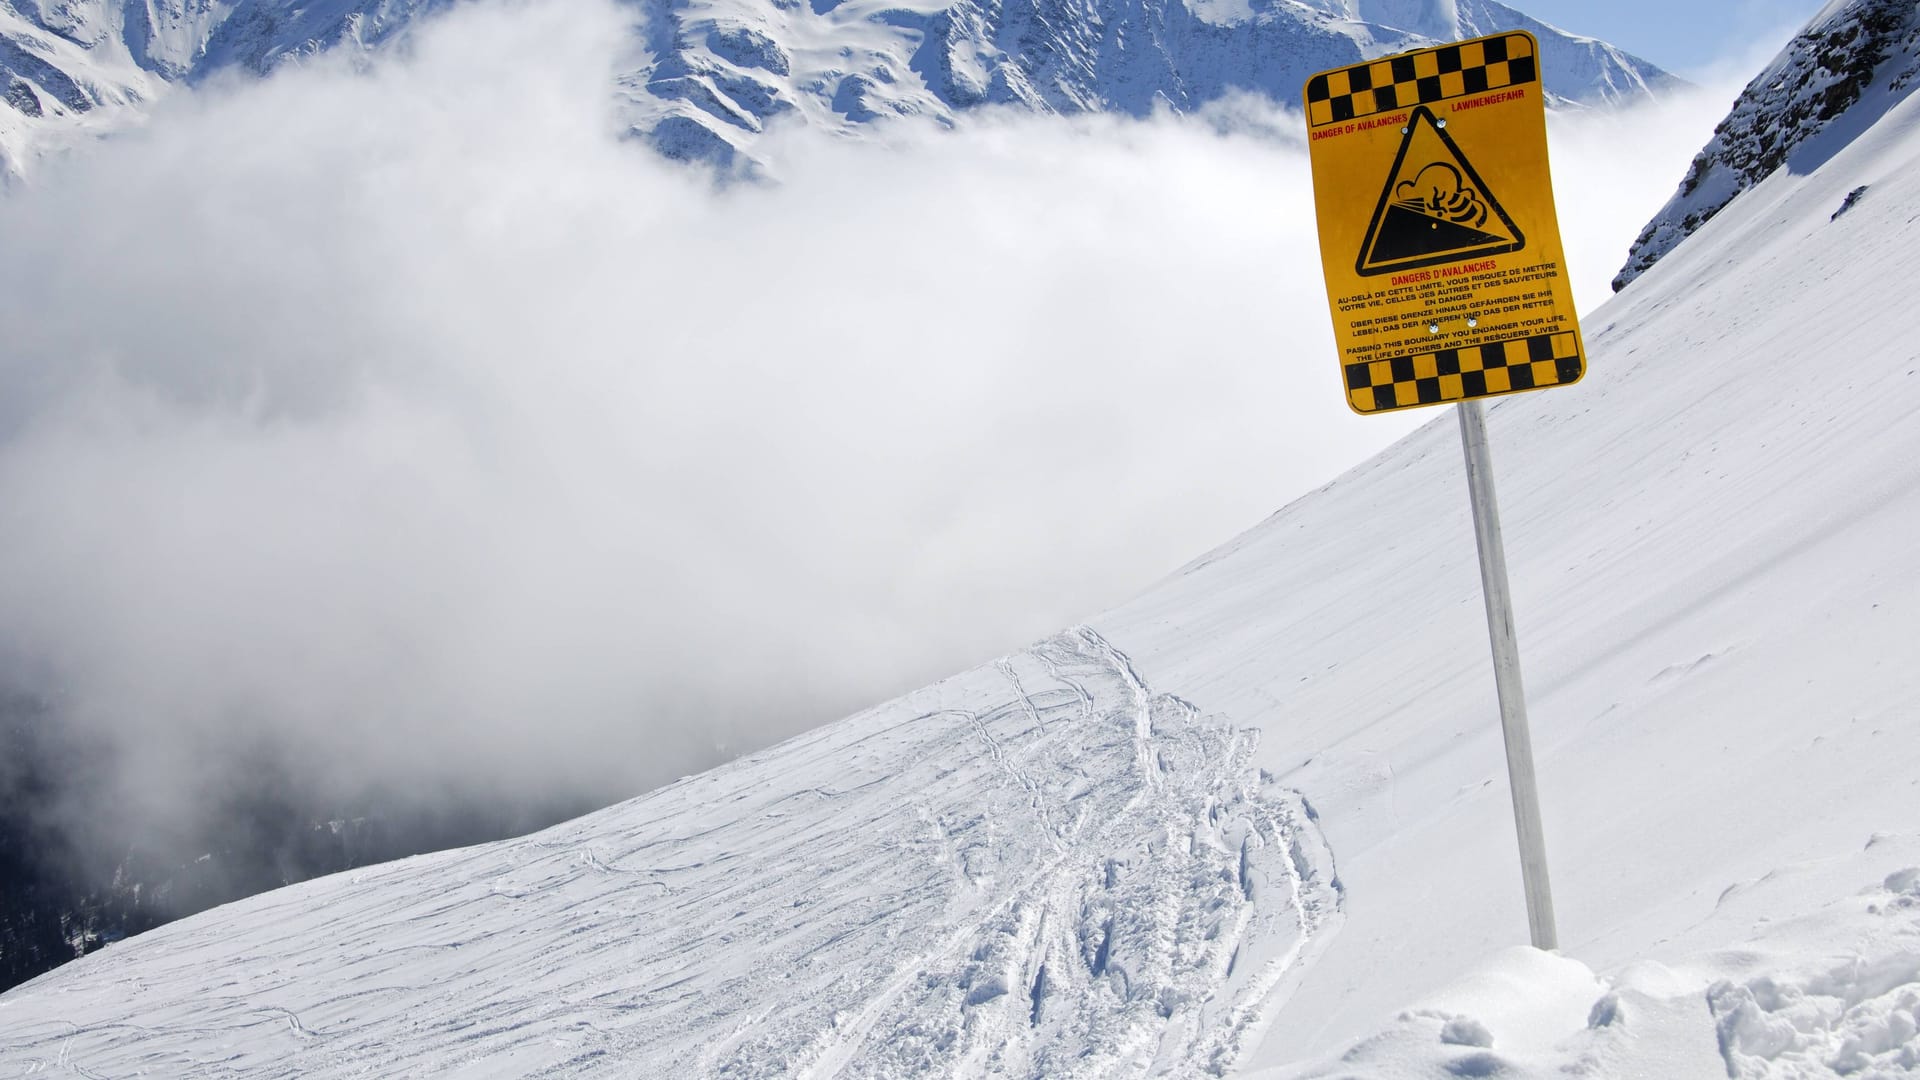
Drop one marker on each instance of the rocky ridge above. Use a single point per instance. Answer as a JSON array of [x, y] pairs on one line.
[[1793, 115]]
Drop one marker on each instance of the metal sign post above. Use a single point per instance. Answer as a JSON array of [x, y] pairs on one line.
[[1506, 675], [1447, 282]]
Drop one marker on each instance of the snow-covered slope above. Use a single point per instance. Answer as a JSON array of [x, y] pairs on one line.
[[1853, 62], [1046, 867], [66, 73], [1115, 853], [710, 75]]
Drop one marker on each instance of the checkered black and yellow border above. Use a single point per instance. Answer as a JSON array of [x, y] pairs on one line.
[[1421, 78], [1434, 378]]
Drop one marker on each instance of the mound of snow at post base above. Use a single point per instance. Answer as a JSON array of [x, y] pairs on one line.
[[1109, 845]]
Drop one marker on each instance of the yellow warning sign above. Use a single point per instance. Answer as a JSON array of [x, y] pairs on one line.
[[1438, 236]]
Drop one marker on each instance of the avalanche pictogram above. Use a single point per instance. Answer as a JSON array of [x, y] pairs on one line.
[[1434, 208]]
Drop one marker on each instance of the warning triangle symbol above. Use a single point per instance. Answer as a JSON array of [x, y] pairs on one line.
[[1435, 209]]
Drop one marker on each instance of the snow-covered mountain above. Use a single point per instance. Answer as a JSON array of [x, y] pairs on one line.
[[710, 75], [1256, 816], [1850, 65], [724, 71]]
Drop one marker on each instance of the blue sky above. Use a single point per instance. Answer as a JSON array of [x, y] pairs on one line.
[[1695, 38]]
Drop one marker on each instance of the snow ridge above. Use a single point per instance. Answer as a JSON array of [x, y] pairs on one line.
[[1040, 868]]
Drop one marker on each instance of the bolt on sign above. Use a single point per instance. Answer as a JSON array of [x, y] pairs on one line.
[[1442, 251]]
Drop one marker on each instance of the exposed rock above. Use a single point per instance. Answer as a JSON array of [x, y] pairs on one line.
[[1853, 62]]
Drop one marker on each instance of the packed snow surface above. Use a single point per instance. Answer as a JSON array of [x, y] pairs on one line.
[[1045, 867], [1114, 853]]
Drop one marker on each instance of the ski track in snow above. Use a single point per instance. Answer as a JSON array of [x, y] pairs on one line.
[[1039, 868]]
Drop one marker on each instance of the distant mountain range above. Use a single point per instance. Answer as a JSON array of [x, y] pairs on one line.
[[717, 72]]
